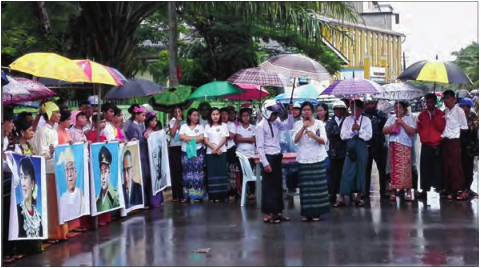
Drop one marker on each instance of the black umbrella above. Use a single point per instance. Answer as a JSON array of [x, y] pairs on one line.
[[134, 88]]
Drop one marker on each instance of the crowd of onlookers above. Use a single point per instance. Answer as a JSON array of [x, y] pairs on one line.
[[335, 152]]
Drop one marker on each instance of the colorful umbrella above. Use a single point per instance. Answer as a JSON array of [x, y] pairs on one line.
[[253, 92], [50, 65], [436, 71], [216, 89], [134, 88], [353, 87], [25, 90], [97, 73], [303, 93], [257, 76], [400, 91], [172, 97]]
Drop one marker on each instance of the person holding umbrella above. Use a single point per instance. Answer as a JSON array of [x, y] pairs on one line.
[[357, 131]]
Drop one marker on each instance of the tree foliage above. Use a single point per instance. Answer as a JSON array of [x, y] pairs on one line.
[[468, 60]]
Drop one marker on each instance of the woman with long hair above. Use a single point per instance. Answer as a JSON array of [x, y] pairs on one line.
[[215, 138], [138, 132], [400, 128], [193, 165], [131, 119], [175, 154], [117, 122], [310, 137], [322, 114], [231, 156]]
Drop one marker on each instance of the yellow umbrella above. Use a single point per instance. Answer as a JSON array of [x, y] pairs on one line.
[[50, 65], [98, 73]]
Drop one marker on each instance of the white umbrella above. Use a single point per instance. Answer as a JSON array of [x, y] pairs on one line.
[[400, 91]]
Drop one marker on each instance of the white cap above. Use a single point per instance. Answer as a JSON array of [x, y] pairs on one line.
[[94, 100], [339, 104], [297, 105], [148, 108]]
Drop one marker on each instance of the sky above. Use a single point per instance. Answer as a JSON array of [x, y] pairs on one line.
[[435, 28]]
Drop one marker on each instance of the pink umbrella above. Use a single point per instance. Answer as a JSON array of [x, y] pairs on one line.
[[253, 92], [37, 91]]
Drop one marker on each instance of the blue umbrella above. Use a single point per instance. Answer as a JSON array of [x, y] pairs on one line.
[[4, 79], [301, 94], [134, 88]]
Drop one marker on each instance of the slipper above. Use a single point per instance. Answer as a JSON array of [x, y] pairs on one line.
[[8, 259], [408, 198], [72, 234], [216, 201], [306, 219], [359, 203], [339, 204], [272, 220], [52, 241], [174, 200], [102, 223], [19, 256], [316, 219], [185, 200], [392, 198], [197, 201], [282, 218], [80, 230]]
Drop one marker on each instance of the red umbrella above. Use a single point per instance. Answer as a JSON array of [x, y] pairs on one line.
[[37, 91], [253, 92]]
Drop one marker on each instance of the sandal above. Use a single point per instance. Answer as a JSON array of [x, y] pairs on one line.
[[393, 197], [359, 203], [450, 197], [19, 256], [282, 218], [316, 219], [232, 198], [185, 200], [408, 198], [462, 196], [174, 200], [272, 220], [196, 201], [216, 201], [8, 259], [305, 219], [339, 204], [72, 234]]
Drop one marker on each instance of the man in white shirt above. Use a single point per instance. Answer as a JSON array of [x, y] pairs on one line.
[[73, 203], [452, 169], [269, 149], [204, 110]]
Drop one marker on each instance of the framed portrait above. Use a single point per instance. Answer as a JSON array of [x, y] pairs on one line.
[[71, 172], [131, 177], [159, 161], [28, 201], [105, 184]]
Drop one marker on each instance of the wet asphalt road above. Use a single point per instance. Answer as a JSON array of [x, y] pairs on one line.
[[434, 232]]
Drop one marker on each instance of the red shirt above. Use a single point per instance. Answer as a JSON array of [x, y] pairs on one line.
[[430, 129], [92, 136]]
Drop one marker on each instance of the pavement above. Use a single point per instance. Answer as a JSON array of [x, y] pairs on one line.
[[382, 233]]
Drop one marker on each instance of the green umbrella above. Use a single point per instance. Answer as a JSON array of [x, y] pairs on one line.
[[216, 89], [172, 97]]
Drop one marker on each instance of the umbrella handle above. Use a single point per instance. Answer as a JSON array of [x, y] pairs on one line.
[[293, 86]]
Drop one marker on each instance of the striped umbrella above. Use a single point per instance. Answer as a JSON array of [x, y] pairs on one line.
[[98, 73], [257, 76], [296, 65], [437, 71]]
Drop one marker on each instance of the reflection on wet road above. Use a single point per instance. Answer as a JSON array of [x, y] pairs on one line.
[[382, 233]]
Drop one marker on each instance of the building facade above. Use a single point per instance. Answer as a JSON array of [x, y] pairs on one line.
[[373, 50]]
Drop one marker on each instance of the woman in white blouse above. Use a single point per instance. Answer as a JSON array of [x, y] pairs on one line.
[[356, 130], [246, 144], [310, 138], [215, 138], [400, 128], [193, 166]]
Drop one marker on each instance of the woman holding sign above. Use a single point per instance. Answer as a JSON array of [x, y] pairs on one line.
[[192, 137]]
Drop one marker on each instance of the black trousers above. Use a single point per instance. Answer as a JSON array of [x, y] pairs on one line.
[[336, 174], [468, 167], [176, 172], [380, 156], [431, 168]]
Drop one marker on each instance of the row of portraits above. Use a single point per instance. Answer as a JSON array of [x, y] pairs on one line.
[[113, 181]]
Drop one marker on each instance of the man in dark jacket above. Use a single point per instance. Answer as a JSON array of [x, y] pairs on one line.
[[377, 150], [337, 148]]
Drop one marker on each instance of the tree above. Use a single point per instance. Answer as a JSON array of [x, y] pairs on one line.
[[468, 60]]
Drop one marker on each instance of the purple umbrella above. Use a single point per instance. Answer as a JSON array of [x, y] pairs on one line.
[[353, 87]]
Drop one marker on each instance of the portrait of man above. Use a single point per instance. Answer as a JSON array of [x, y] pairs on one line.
[[108, 197], [132, 190], [72, 201], [159, 173]]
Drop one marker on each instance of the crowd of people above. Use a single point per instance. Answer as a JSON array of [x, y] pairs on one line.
[[334, 153]]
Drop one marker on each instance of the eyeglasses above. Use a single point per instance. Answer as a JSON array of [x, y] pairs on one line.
[[125, 170], [70, 170]]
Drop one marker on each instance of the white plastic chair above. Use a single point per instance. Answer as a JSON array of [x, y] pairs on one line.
[[247, 173]]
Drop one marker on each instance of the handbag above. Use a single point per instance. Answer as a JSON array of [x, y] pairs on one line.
[[191, 149], [351, 152]]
